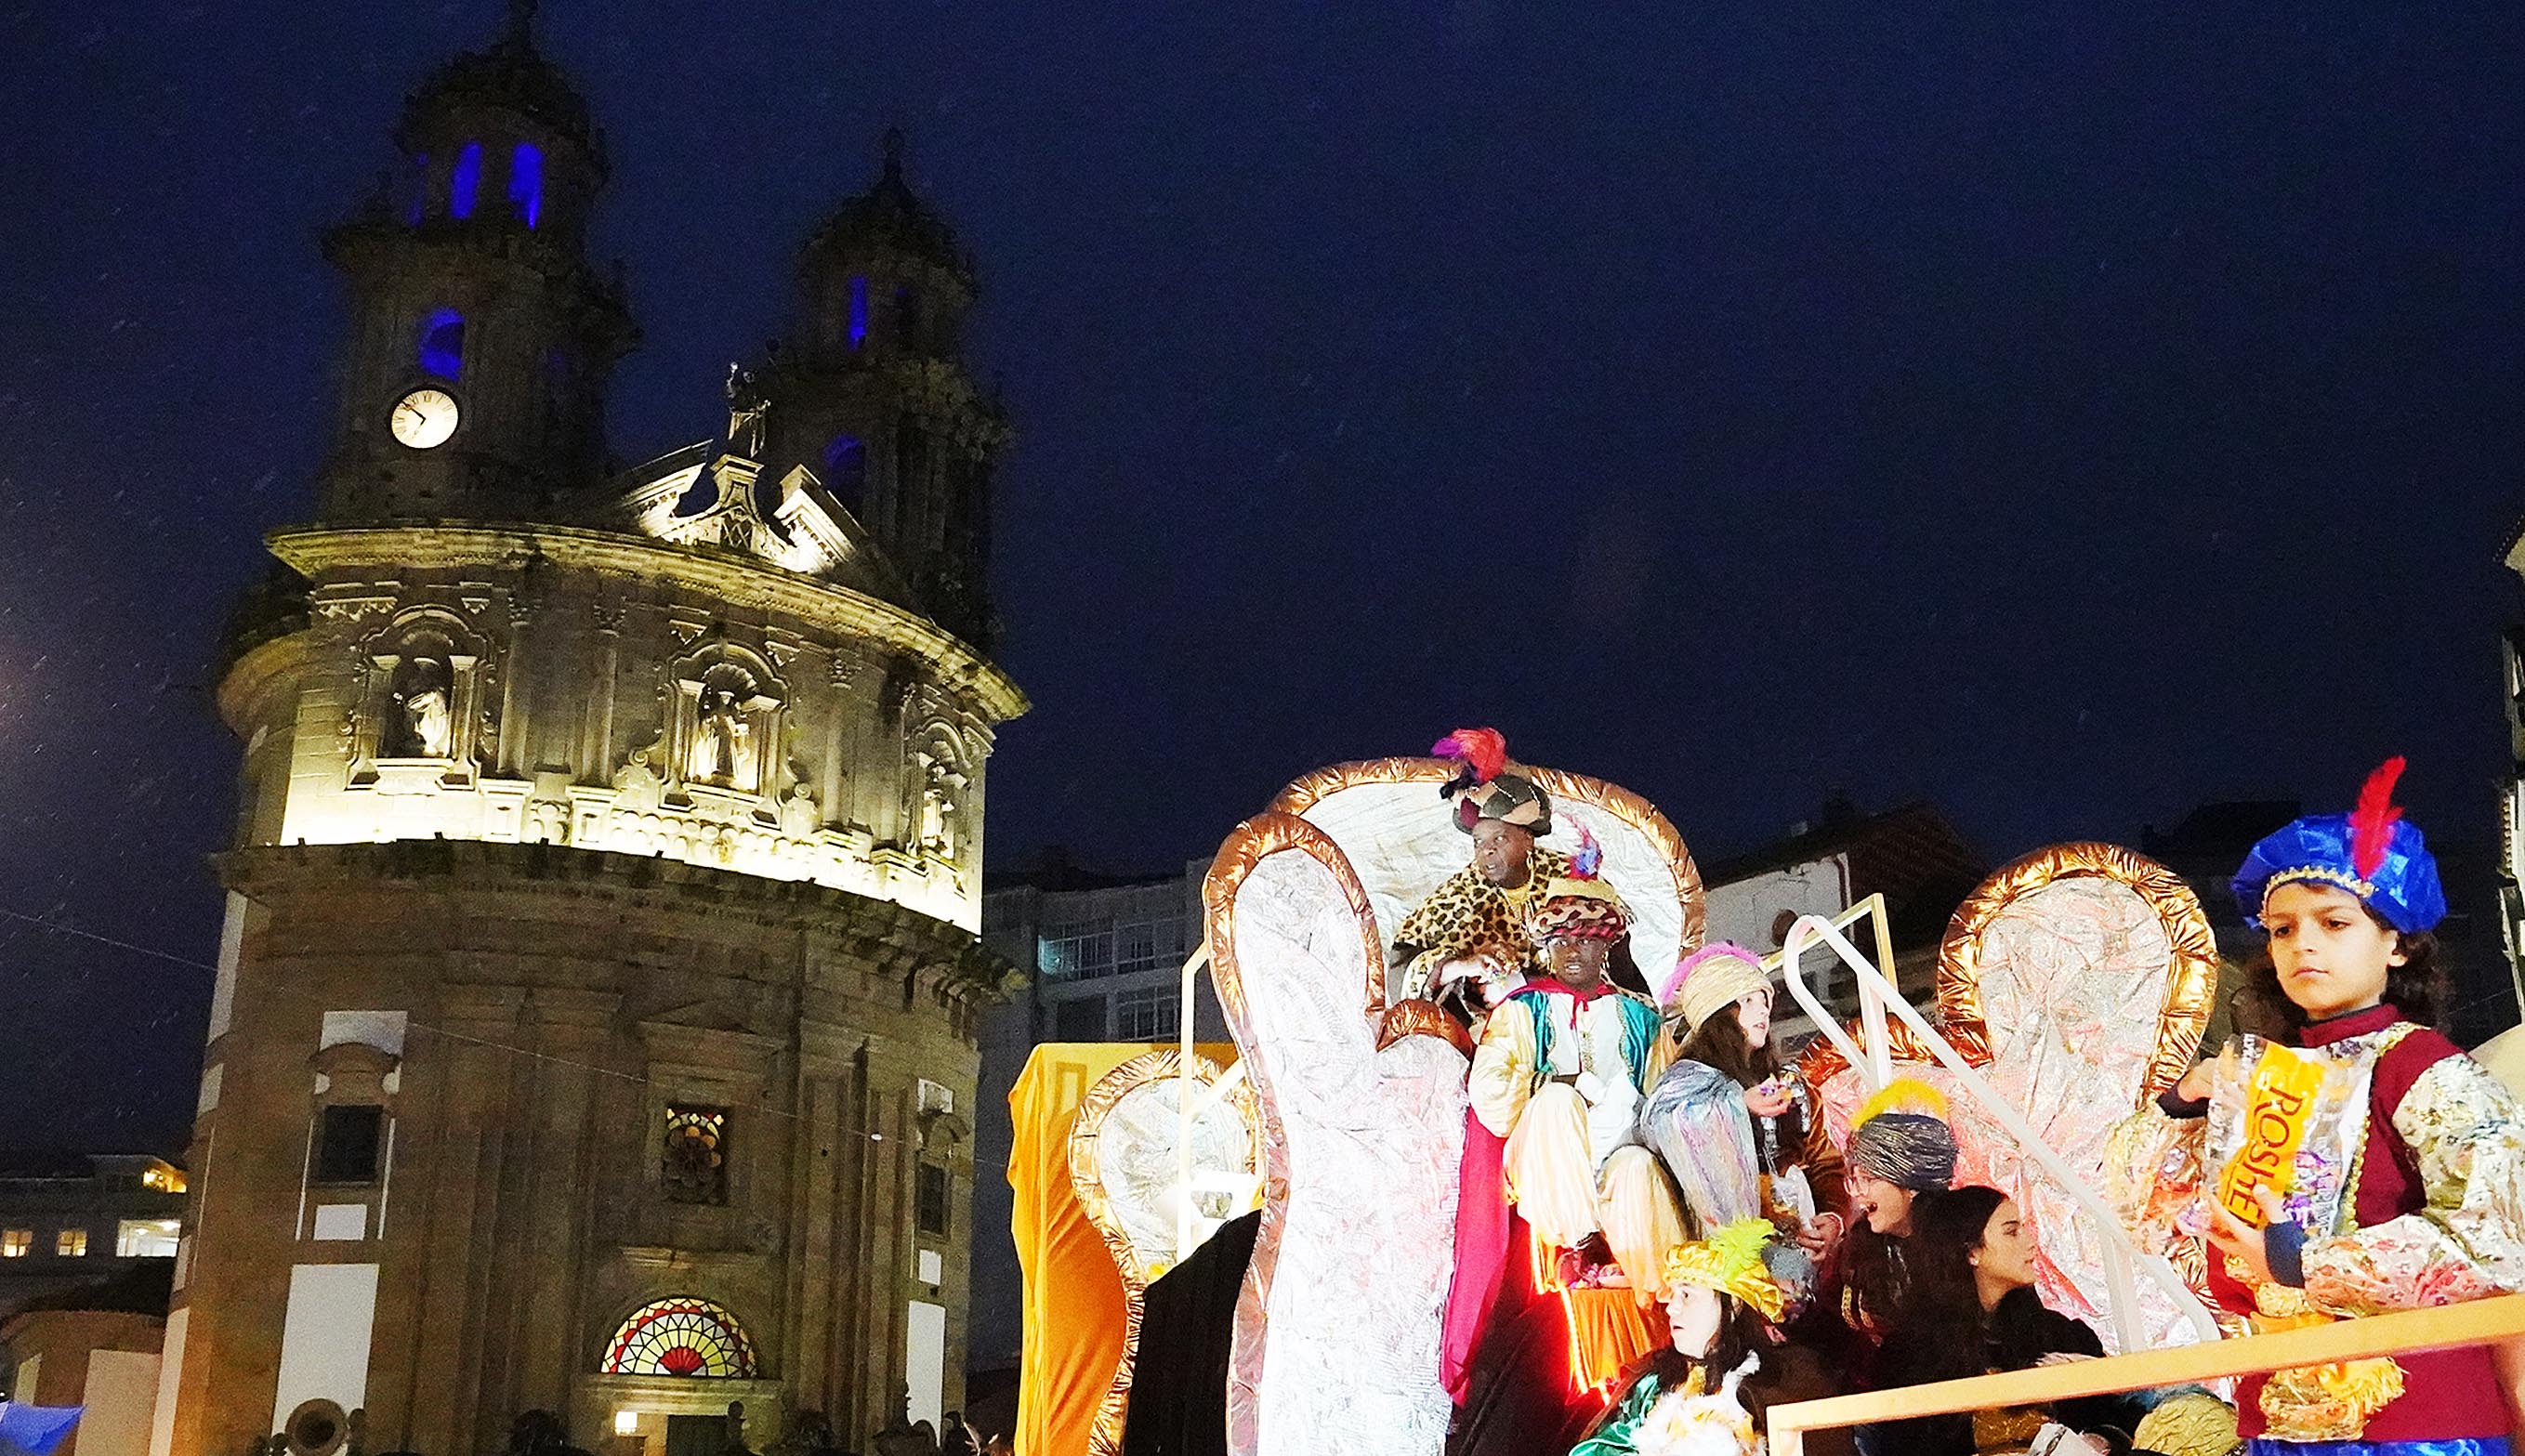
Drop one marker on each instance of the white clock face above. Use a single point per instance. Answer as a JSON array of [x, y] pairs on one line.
[[425, 419]]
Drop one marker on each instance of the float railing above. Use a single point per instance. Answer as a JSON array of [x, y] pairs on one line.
[[2498, 1323]]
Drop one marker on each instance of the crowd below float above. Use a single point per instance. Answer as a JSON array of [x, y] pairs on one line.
[[1656, 1239]]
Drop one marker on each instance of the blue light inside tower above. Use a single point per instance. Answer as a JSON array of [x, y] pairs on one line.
[[442, 344], [466, 180], [859, 311], [527, 182], [846, 468]]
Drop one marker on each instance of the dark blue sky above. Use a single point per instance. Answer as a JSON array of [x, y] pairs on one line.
[[2066, 413]]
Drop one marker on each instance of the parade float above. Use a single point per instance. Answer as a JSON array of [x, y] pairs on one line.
[[1331, 1139]]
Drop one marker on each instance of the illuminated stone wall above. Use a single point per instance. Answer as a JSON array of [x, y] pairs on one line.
[[593, 689]]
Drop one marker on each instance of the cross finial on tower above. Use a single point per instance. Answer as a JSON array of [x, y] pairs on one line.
[[521, 22], [894, 155]]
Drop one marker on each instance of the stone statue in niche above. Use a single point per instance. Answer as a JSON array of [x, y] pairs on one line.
[[937, 820], [722, 743], [636, 784], [799, 816], [423, 723]]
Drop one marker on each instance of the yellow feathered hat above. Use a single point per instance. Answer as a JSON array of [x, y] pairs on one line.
[[1730, 1261]]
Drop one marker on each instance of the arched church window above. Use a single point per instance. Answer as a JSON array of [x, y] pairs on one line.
[[681, 1336], [466, 180], [442, 344], [527, 182], [846, 468], [859, 310]]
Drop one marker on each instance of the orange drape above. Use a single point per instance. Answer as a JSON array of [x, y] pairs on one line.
[[1073, 1295]]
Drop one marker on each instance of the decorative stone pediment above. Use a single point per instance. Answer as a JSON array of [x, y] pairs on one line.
[[689, 498]]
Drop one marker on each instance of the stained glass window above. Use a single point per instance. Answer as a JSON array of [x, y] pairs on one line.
[[695, 1166], [681, 1336]]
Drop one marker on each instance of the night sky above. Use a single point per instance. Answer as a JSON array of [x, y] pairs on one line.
[[2064, 413]]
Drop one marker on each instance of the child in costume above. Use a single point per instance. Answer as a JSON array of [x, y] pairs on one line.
[[1555, 1089], [1720, 1289], [1901, 1151], [2356, 1161], [1719, 1008], [1559, 1074]]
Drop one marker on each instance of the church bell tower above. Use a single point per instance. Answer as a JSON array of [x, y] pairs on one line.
[[473, 381], [594, 1035], [870, 393]]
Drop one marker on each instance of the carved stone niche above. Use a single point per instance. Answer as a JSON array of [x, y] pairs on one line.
[[724, 723], [939, 810], [419, 719]]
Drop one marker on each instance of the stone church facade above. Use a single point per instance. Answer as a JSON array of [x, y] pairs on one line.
[[595, 1024]]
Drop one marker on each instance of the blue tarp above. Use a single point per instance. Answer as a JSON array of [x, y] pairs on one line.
[[35, 1429]]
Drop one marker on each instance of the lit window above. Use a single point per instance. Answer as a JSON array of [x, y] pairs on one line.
[[145, 1239], [348, 1144], [930, 1200], [680, 1338], [13, 1243], [442, 344], [858, 311], [695, 1166], [1143, 1015], [527, 182], [466, 180], [71, 1244]]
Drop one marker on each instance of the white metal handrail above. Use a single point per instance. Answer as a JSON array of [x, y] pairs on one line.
[[1878, 995]]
